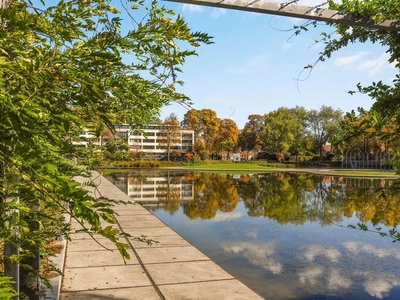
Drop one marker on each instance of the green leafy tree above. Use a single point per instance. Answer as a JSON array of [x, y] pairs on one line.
[[279, 131], [61, 67], [298, 115], [322, 125], [385, 94]]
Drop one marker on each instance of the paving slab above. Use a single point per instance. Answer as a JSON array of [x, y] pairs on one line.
[[85, 244], [136, 293], [170, 254], [186, 272], [104, 277], [170, 269], [163, 241], [231, 289], [127, 224], [98, 258]]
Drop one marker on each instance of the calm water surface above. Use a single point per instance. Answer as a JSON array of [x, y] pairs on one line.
[[284, 235]]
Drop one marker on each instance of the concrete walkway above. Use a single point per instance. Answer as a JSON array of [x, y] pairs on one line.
[[173, 269]]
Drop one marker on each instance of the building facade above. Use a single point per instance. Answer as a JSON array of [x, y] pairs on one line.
[[146, 139]]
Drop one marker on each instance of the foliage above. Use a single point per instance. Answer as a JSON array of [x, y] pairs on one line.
[[205, 124], [367, 132], [250, 136], [228, 135], [386, 105], [283, 130], [62, 68], [170, 133], [323, 125], [6, 292], [137, 164]]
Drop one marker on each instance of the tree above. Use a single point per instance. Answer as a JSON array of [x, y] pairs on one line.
[[385, 95], [359, 133], [322, 125], [298, 115], [250, 136], [205, 124], [62, 67], [228, 135], [169, 135], [278, 132]]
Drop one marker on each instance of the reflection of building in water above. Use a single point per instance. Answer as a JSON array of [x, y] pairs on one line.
[[160, 188], [121, 183]]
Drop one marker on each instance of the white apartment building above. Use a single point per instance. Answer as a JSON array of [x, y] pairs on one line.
[[143, 139]]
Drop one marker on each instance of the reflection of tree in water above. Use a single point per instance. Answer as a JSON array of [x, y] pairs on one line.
[[169, 193], [277, 196], [300, 198], [324, 202], [293, 198], [379, 204], [213, 192]]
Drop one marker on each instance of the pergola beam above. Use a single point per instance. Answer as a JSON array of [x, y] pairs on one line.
[[296, 11]]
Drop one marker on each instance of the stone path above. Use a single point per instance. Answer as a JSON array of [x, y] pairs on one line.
[[172, 269]]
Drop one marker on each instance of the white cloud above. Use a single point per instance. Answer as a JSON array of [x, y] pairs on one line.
[[357, 248], [224, 216], [351, 59], [376, 66], [287, 46], [380, 288], [217, 12], [359, 63], [252, 65], [310, 276], [337, 281], [260, 255], [251, 233], [192, 8], [314, 251]]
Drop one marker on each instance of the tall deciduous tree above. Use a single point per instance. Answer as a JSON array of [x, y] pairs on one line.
[[205, 124], [228, 135], [298, 115], [385, 94], [322, 125], [278, 132], [62, 67], [169, 135], [250, 136]]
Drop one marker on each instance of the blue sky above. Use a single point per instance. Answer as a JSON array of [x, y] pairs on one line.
[[253, 64]]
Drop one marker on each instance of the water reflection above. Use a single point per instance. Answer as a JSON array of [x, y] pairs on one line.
[[278, 232]]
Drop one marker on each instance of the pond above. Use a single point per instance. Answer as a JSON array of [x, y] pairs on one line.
[[284, 235]]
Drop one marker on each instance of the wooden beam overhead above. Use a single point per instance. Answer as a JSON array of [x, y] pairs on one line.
[[296, 11]]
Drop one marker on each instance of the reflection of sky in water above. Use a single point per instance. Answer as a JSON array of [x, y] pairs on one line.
[[333, 268], [306, 261], [296, 262]]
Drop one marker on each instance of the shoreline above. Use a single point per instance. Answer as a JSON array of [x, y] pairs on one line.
[[360, 173]]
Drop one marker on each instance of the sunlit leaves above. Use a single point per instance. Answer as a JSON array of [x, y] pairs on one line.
[[61, 71]]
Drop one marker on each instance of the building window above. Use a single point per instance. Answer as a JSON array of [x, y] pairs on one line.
[[148, 147]]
